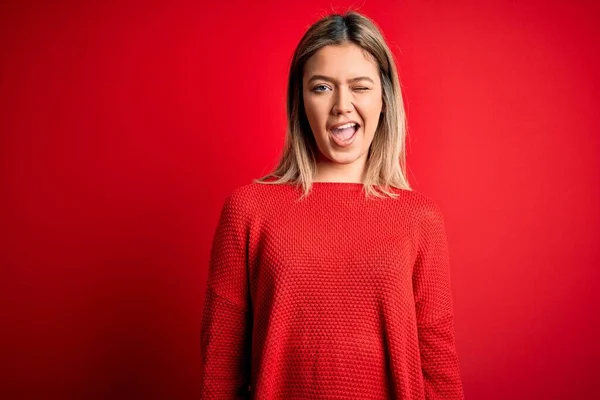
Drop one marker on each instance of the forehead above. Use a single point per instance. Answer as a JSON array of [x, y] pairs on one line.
[[341, 61]]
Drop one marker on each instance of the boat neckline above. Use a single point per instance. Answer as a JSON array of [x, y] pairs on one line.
[[338, 185]]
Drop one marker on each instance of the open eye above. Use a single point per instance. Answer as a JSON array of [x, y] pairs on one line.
[[319, 86]]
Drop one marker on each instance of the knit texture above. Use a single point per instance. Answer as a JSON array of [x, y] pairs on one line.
[[335, 296]]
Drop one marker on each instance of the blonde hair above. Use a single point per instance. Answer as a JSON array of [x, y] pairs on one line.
[[386, 159]]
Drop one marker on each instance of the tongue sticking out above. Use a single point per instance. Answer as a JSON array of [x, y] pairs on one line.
[[345, 133]]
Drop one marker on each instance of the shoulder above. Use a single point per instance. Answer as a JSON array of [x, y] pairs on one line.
[[248, 199], [239, 200], [248, 194], [424, 209]]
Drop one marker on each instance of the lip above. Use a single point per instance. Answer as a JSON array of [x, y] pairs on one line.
[[343, 123]]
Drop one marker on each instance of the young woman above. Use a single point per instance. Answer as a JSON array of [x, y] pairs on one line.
[[329, 278]]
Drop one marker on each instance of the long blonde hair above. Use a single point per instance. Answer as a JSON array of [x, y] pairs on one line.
[[386, 159]]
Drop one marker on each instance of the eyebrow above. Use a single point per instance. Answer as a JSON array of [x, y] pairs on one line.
[[326, 78]]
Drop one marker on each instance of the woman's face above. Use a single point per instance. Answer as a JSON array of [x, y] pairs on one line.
[[340, 84]]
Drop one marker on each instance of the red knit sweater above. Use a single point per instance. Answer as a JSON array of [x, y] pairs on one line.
[[332, 297]]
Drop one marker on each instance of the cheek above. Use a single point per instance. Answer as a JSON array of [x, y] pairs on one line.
[[370, 106], [315, 112], [371, 112], [373, 103]]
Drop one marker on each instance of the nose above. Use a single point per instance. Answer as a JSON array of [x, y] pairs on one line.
[[343, 103]]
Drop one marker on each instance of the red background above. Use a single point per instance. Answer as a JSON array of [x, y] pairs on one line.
[[124, 125]]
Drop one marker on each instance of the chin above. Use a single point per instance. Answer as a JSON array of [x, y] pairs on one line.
[[343, 158]]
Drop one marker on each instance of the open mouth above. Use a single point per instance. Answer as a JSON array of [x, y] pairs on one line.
[[344, 136], [345, 132]]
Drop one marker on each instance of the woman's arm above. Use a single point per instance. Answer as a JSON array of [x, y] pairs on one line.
[[434, 309], [227, 317]]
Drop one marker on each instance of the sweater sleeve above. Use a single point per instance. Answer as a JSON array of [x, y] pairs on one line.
[[226, 318], [434, 309]]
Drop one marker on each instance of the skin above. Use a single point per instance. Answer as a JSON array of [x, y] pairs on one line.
[[331, 102]]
